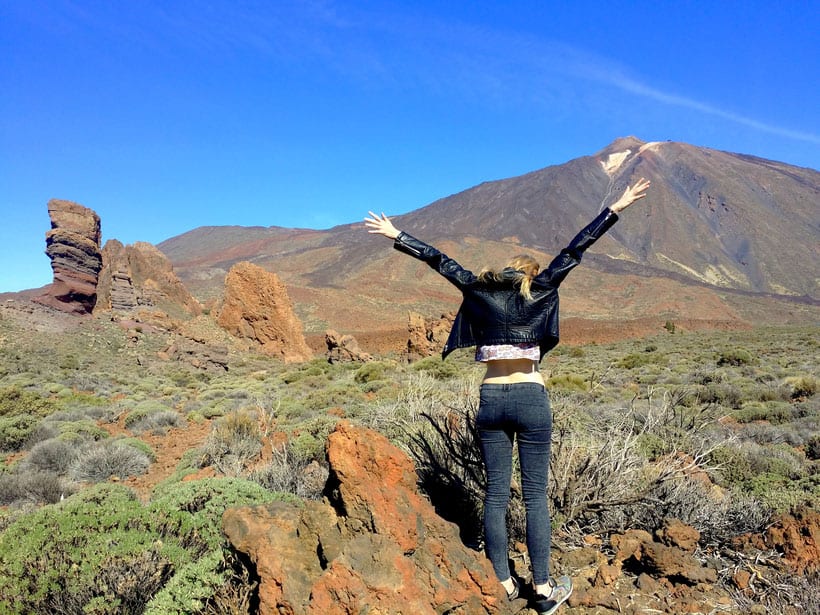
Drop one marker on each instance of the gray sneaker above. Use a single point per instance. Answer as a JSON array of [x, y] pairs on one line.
[[561, 590]]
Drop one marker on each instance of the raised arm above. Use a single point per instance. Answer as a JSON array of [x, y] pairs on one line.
[[446, 266], [570, 256]]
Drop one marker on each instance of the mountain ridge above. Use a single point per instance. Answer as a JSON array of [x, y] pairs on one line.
[[718, 228]]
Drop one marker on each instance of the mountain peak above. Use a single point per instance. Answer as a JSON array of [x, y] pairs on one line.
[[621, 144]]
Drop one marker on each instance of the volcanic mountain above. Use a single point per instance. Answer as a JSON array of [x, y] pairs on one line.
[[723, 239]]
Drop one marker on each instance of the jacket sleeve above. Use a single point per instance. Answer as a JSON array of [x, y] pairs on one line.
[[570, 256], [446, 266]]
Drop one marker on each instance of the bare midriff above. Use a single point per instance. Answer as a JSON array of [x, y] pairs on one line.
[[512, 371]]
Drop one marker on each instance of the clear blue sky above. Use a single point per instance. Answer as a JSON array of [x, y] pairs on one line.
[[166, 115]]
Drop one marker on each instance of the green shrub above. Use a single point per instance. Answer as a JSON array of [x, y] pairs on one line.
[[15, 431], [96, 552], [652, 446], [234, 439], [102, 552], [774, 412], [140, 445], [732, 467], [437, 368], [778, 492], [734, 356], [150, 415], [802, 386], [373, 370], [723, 394], [192, 512], [332, 396], [639, 359], [73, 431], [568, 383], [14, 401]]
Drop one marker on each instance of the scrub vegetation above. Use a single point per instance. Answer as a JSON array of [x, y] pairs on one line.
[[720, 430]]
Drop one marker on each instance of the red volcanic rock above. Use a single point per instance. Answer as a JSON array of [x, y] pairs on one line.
[[256, 307], [343, 348], [140, 276], [675, 533], [73, 245], [796, 536], [426, 337], [375, 544]]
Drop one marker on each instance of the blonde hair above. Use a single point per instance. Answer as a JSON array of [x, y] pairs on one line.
[[524, 264]]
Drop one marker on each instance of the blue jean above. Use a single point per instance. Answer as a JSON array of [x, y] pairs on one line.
[[507, 412]]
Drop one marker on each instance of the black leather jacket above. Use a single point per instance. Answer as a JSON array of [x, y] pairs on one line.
[[495, 312]]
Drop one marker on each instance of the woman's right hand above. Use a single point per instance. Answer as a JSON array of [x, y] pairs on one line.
[[631, 194], [381, 225]]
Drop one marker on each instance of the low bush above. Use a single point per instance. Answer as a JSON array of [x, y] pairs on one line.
[[83, 430], [734, 356], [16, 430], [802, 386], [51, 456], [373, 370], [773, 411], [140, 445], [437, 368], [155, 421], [291, 472], [639, 359], [102, 552], [100, 461], [234, 439], [15, 401], [31, 487], [568, 383]]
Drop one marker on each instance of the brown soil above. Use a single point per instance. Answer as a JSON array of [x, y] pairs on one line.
[[169, 448]]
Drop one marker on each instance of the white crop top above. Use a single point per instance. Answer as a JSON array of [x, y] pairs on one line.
[[494, 352]]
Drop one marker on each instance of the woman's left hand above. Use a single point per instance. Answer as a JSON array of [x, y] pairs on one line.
[[381, 225], [631, 194]]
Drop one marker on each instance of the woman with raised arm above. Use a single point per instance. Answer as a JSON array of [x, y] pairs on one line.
[[511, 317]]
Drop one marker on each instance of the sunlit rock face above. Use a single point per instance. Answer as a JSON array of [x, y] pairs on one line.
[[374, 545], [256, 307], [73, 245]]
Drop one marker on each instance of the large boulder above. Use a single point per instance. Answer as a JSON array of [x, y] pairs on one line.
[[73, 245], [427, 336], [256, 307], [140, 276], [344, 348], [374, 545]]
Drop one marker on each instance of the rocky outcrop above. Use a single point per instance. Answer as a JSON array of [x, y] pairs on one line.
[[139, 276], [197, 354], [73, 245], [796, 537], [426, 337], [256, 307], [343, 348], [374, 545], [658, 574]]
